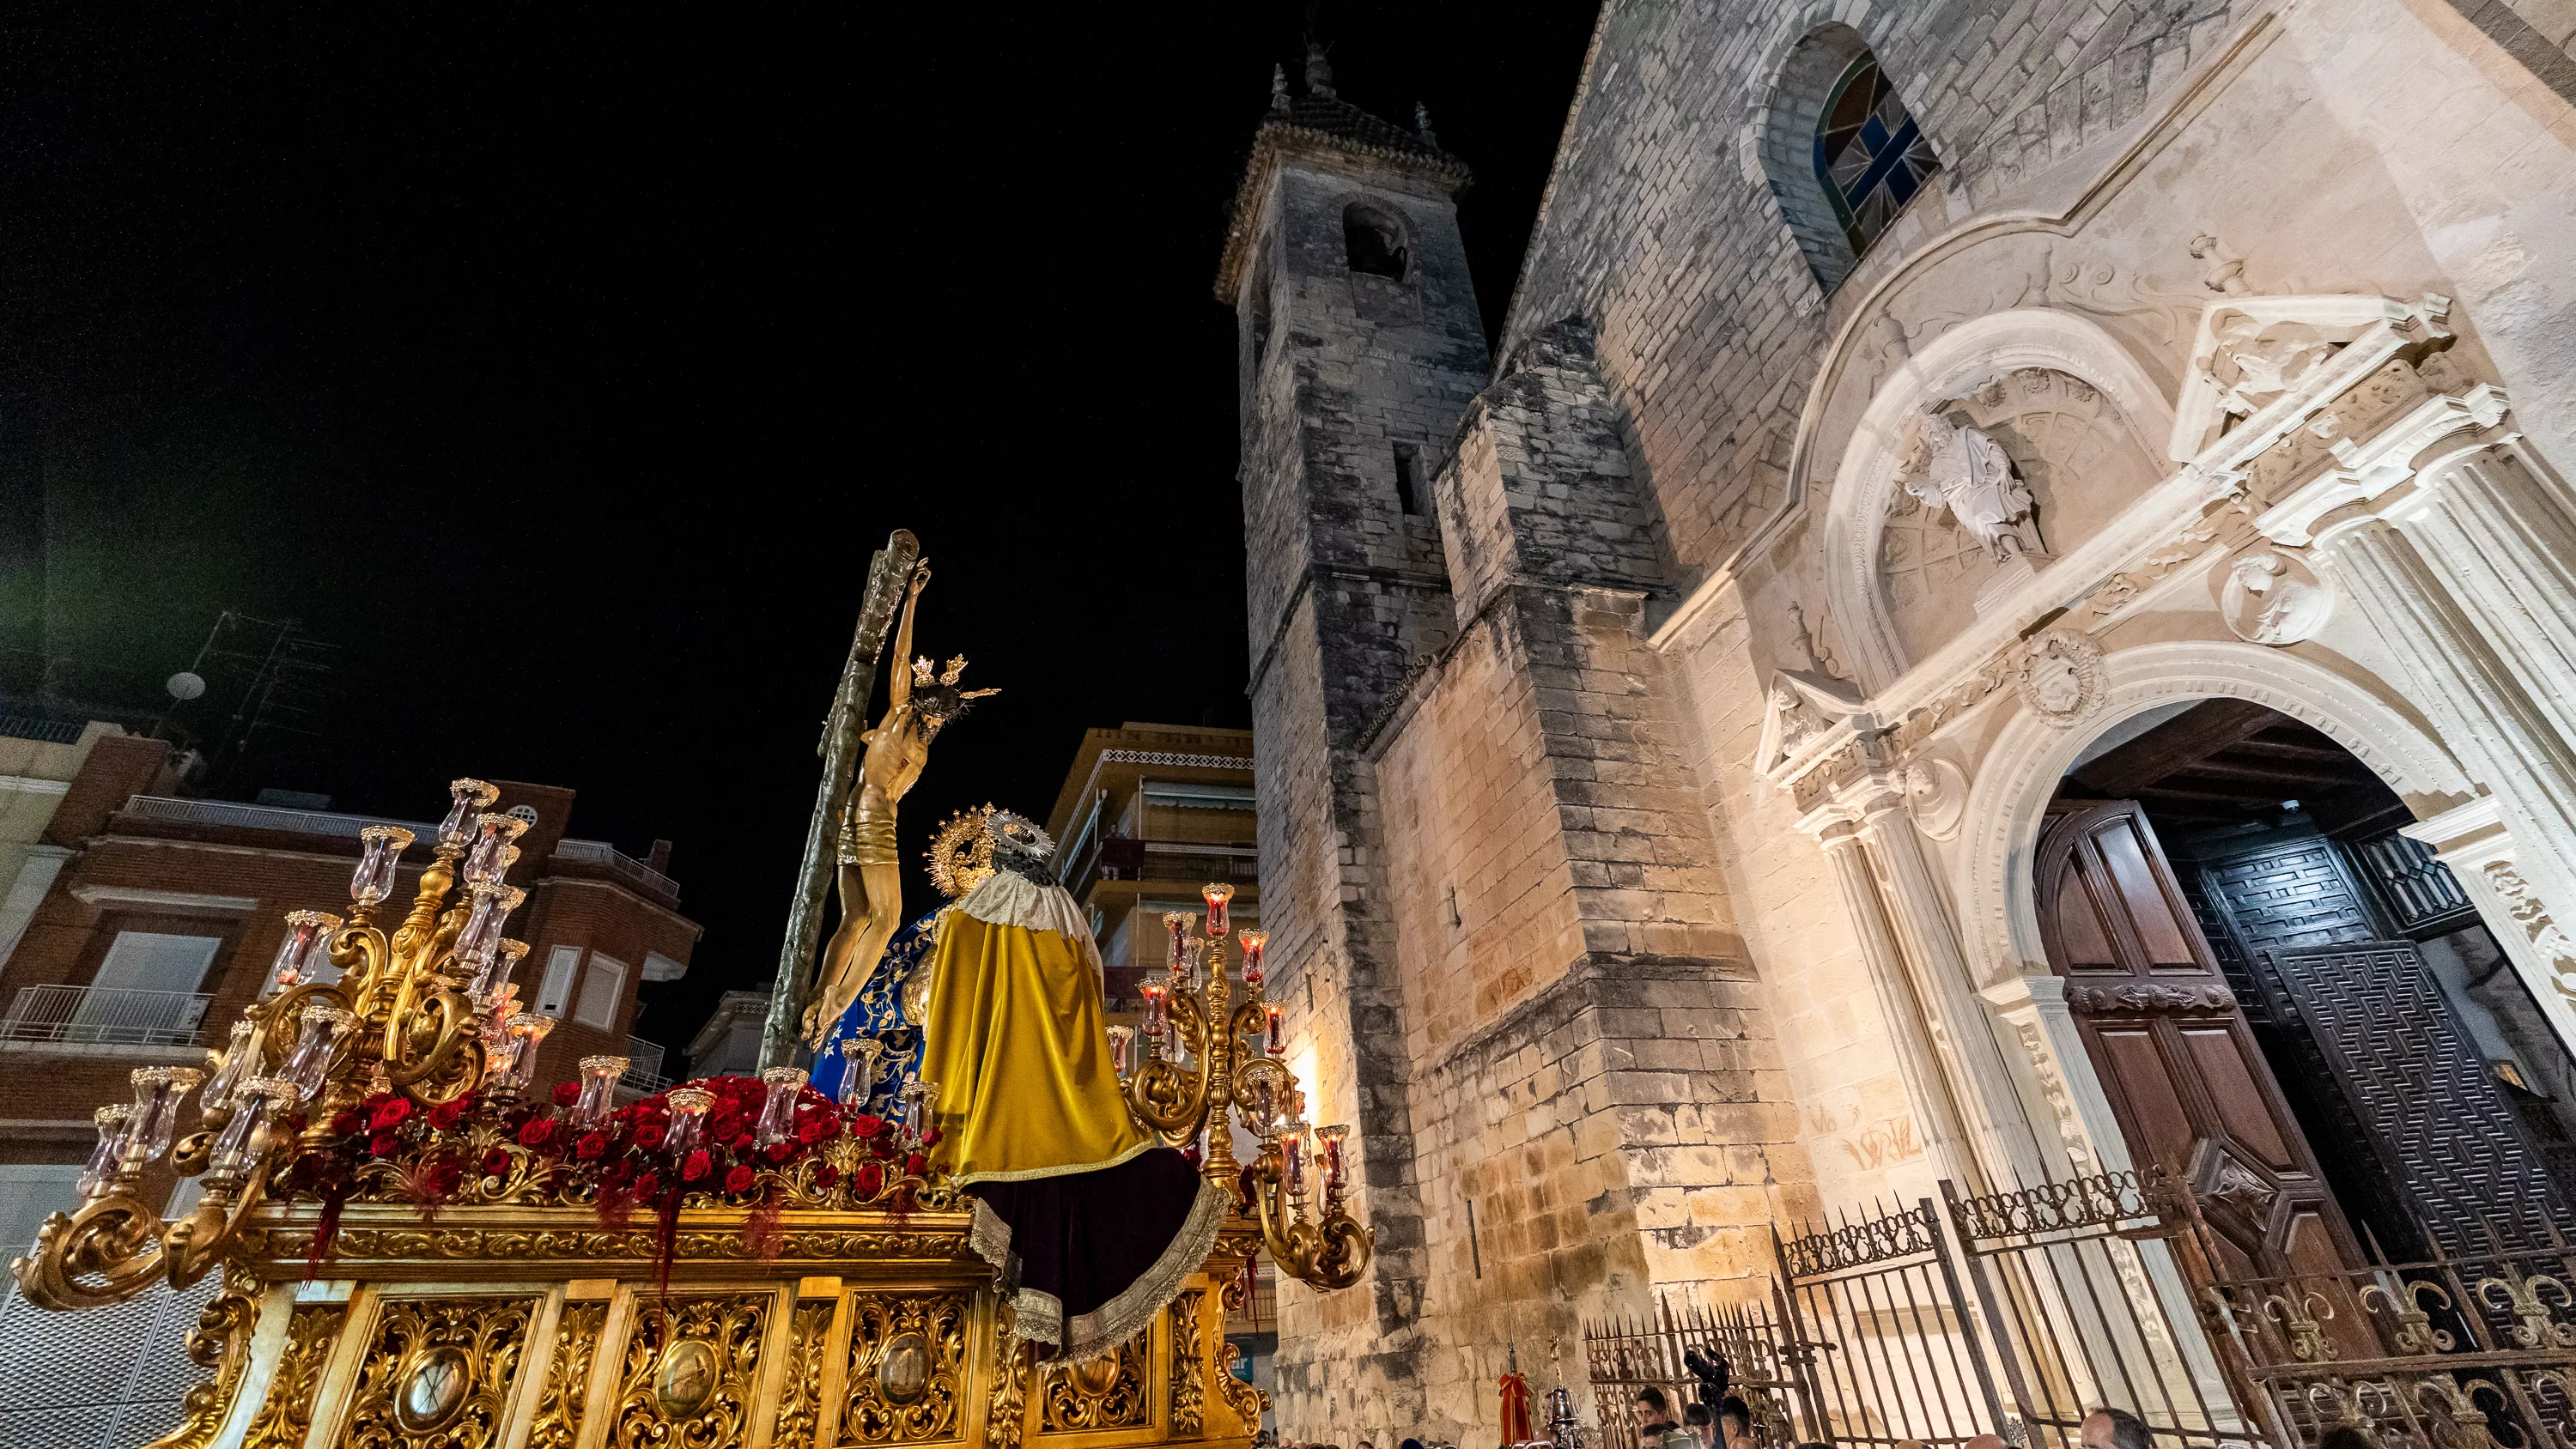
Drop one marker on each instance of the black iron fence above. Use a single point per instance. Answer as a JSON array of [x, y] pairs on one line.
[[2006, 1313]]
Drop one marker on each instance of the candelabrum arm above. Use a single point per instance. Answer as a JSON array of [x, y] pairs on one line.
[[106, 1253]]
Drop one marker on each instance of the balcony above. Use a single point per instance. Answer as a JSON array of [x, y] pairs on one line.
[[619, 865], [1188, 861], [108, 1021], [643, 1068]]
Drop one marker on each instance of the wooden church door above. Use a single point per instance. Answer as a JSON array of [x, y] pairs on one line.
[[2186, 1079]]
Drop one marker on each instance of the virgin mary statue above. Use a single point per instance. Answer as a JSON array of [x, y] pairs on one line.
[[1091, 1223]]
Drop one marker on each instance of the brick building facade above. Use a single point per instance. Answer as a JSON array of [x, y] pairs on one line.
[[1654, 738]]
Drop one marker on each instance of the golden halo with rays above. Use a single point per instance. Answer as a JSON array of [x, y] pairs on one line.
[[961, 854]]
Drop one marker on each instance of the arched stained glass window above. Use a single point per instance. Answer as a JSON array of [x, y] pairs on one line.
[[1870, 155]]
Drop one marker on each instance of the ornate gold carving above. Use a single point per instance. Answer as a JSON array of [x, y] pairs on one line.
[[220, 1344], [288, 1411], [558, 1423], [1007, 1412], [697, 1393], [1247, 1402], [907, 1368], [802, 1403], [1189, 1363], [438, 1374], [1106, 1392], [356, 1245]]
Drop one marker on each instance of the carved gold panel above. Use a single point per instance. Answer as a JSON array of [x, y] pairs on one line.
[[692, 1373], [1189, 1363], [800, 1402], [437, 1373], [558, 1422], [1107, 1392], [288, 1411], [907, 1368]]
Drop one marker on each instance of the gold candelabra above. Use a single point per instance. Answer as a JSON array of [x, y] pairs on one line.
[[426, 1012], [1198, 1074]]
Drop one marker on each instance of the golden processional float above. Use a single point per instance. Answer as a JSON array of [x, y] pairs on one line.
[[421, 1248]]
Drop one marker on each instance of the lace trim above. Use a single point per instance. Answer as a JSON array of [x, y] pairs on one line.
[[1100, 1331], [1006, 899], [1032, 1174]]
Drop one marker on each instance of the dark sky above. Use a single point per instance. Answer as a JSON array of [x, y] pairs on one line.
[[563, 378]]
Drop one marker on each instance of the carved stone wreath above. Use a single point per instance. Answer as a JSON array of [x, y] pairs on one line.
[[2059, 676]]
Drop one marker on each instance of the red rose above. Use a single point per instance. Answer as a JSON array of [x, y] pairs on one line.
[[780, 1151], [810, 1130], [391, 1115], [930, 1138], [567, 1093], [866, 1125], [826, 1175], [496, 1162], [649, 1136], [882, 1146], [349, 1123], [741, 1144], [443, 1177], [384, 1144], [914, 1165], [536, 1133], [616, 1172], [445, 1114], [698, 1166], [740, 1179], [591, 1145], [868, 1180]]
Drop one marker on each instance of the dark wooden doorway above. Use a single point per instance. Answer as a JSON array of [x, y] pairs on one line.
[[2363, 1015]]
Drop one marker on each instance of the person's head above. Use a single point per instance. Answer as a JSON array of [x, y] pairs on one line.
[[1734, 1418], [1696, 1416], [2344, 1436], [1984, 1441], [1410, 1444], [2108, 1428], [1653, 1407]]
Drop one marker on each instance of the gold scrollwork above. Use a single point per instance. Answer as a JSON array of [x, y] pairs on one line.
[[220, 1344], [907, 1368], [715, 1344], [1006, 1412], [1106, 1392], [1189, 1363], [802, 1402], [1247, 1402], [287, 1412], [558, 1424], [438, 1374]]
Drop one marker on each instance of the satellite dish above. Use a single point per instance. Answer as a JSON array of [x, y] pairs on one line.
[[185, 686]]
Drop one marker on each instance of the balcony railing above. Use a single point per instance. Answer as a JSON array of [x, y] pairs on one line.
[[643, 1068], [106, 1016], [48, 731], [617, 863], [261, 817], [1121, 858]]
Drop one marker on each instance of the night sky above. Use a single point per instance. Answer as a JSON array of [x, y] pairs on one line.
[[561, 378]]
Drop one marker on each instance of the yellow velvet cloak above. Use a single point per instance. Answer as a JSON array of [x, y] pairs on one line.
[[1019, 1053]]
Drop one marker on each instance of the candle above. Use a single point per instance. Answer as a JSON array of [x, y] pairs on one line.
[[1278, 1038], [1217, 895], [1178, 924], [1254, 942], [1292, 1157], [688, 1113], [1121, 1041], [599, 1078], [1153, 1009], [1331, 1138]]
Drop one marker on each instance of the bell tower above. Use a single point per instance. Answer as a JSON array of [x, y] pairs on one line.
[[1360, 349]]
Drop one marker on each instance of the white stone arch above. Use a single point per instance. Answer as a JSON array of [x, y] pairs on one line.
[[1999, 832], [1967, 354]]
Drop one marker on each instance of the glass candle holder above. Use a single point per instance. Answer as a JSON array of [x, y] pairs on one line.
[[917, 1097], [1329, 1141], [494, 975], [778, 1109], [688, 1118], [157, 1091], [380, 849], [1254, 943], [1197, 975], [1122, 1041], [479, 939], [526, 1029], [859, 1058], [1292, 1157], [1219, 920], [324, 1027], [487, 859], [240, 1062], [306, 944], [1278, 1046], [470, 796], [101, 1171], [599, 1078], [1154, 1022], [236, 1147], [1177, 924]]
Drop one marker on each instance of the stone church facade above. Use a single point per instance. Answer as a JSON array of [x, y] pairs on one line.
[[1665, 721]]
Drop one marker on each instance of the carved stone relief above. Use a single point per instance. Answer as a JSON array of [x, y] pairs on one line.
[[2271, 597], [1936, 793], [2544, 933], [2059, 676]]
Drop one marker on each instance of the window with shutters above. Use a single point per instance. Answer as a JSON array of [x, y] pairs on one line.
[[602, 989], [556, 987]]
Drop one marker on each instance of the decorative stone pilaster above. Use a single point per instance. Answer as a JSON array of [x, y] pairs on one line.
[[2481, 852], [1927, 1091]]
